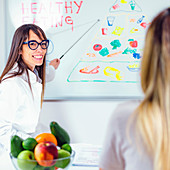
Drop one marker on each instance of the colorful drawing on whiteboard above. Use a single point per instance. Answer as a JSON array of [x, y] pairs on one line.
[[115, 53]]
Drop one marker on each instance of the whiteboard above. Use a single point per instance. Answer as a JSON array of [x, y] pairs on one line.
[[102, 43]]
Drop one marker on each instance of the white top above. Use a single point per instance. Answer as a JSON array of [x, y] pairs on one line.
[[118, 152], [50, 73], [19, 108]]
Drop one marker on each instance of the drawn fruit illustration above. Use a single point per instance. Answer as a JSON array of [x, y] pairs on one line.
[[45, 153], [46, 137], [16, 145], [64, 162], [97, 47], [60, 134], [25, 160], [29, 144]]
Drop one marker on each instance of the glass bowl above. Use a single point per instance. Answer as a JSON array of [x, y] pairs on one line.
[[57, 164]]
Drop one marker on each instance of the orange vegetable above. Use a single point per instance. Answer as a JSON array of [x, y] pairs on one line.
[[46, 137]]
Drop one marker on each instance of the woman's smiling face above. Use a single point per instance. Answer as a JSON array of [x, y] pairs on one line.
[[30, 57]]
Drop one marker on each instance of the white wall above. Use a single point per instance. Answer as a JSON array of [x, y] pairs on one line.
[[85, 121], [2, 35]]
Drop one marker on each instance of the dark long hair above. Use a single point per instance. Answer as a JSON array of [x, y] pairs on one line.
[[20, 35]]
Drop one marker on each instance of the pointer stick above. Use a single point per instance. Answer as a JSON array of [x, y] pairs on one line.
[[79, 38]]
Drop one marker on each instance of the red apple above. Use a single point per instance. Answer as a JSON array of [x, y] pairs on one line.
[[45, 153]]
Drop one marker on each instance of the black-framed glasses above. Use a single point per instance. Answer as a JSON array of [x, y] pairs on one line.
[[33, 44]]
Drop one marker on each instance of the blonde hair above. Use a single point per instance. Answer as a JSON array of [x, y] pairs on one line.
[[153, 114]]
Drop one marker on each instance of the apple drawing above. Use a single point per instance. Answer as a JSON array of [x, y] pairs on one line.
[[26, 160], [45, 153], [133, 44]]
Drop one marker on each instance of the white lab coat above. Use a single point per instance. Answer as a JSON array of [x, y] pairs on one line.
[[19, 108], [50, 73]]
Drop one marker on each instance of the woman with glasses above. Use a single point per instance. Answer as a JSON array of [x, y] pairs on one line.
[[138, 136], [53, 64], [22, 83]]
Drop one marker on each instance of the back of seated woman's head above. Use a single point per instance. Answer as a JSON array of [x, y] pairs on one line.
[[155, 72], [153, 114]]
